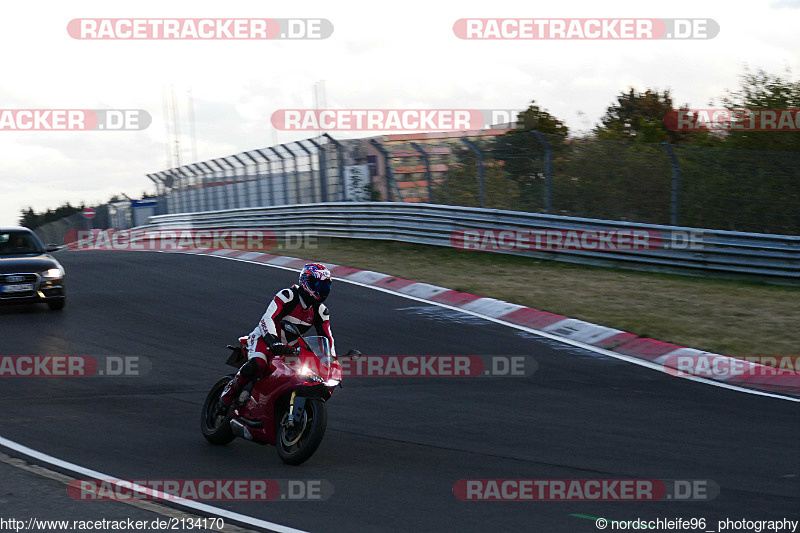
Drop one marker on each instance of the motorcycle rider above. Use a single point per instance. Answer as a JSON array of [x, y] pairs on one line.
[[300, 304]]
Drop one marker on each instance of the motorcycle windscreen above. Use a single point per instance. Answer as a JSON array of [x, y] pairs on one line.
[[321, 347]]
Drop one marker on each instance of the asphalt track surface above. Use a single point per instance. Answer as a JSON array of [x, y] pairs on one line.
[[394, 446]]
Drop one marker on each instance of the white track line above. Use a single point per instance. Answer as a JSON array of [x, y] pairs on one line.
[[197, 506]]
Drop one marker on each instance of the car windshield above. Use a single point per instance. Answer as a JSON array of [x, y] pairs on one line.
[[321, 348], [18, 243]]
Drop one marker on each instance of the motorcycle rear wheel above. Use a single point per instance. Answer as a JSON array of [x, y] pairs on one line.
[[216, 429], [297, 446]]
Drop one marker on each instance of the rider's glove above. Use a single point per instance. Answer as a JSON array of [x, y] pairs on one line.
[[278, 348]]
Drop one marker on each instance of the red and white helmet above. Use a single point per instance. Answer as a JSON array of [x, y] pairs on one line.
[[315, 281]]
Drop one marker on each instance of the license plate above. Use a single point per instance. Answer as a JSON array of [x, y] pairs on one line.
[[17, 288]]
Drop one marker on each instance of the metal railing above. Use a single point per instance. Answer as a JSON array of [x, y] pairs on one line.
[[298, 172], [654, 183], [772, 258]]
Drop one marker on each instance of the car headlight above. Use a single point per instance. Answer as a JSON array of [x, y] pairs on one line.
[[53, 273]]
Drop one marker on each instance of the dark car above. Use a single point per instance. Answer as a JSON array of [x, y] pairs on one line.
[[27, 272]]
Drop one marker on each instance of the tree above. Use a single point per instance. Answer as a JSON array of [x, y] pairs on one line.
[[761, 90], [639, 117], [535, 118], [520, 154]]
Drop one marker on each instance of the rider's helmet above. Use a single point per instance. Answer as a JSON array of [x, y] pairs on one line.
[[315, 282]]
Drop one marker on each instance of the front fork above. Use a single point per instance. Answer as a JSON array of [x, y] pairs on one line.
[[297, 405]]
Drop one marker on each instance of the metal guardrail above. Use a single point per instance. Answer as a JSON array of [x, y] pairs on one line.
[[728, 254]]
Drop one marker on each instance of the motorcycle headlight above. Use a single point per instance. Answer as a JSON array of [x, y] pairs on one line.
[[53, 273], [332, 382], [313, 376]]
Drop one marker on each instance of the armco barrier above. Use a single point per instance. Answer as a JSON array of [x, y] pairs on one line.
[[765, 257]]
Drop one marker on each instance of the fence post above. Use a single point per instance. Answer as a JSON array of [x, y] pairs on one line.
[[283, 175], [259, 189], [310, 169], [222, 203], [158, 194], [297, 188], [548, 171], [340, 166], [481, 172], [427, 157], [673, 193], [188, 193], [323, 171], [390, 181], [162, 177], [270, 185], [175, 186], [201, 176], [245, 186]]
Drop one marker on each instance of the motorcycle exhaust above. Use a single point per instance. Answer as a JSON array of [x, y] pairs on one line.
[[240, 430]]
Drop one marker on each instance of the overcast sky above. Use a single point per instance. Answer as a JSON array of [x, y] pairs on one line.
[[381, 55]]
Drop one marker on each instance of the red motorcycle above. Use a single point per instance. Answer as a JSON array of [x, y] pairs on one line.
[[285, 408]]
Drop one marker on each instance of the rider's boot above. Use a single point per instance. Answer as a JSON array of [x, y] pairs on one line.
[[252, 368]]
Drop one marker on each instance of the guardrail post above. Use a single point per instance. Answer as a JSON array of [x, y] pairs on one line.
[[481, 173], [548, 171], [390, 181], [673, 190], [427, 158], [340, 164]]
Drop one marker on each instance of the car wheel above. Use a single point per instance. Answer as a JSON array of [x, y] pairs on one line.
[[57, 305]]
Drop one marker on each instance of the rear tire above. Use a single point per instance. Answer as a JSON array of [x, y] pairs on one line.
[[216, 428], [295, 448]]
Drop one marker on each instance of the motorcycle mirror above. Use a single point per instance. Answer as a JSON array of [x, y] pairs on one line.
[[355, 354]]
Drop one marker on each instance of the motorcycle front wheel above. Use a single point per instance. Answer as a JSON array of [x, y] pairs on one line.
[[215, 426], [297, 443]]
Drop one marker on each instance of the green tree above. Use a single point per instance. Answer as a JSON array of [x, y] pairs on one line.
[[639, 117], [520, 154], [761, 90]]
